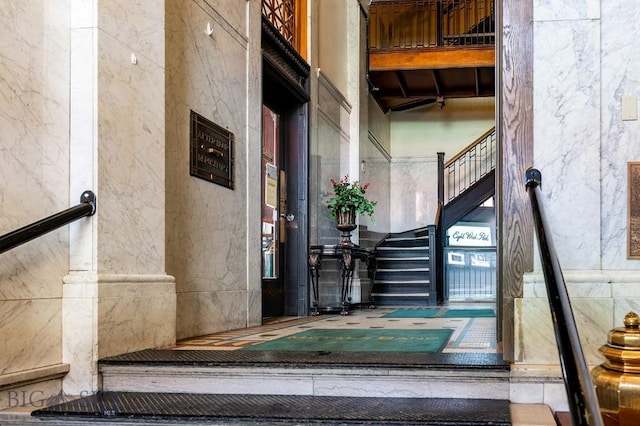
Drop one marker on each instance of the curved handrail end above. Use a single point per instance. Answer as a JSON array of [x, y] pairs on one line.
[[90, 198], [533, 178]]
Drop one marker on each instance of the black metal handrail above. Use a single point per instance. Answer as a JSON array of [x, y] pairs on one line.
[[87, 207], [581, 394]]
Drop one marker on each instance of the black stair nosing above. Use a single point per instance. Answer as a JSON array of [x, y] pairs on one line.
[[407, 238], [400, 248], [112, 406], [403, 259], [307, 359], [401, 270]]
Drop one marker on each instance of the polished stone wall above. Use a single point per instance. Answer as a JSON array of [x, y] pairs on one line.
[[34, 176], [82, 107], [116, 296], [209, 225], [583, 65]]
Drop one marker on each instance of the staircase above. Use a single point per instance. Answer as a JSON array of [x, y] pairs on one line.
[[290, 388], [405, 273]]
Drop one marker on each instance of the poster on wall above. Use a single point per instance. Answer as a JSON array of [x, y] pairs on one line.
[[633, 210]]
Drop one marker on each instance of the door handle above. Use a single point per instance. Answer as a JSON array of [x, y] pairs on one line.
[[289, 217]]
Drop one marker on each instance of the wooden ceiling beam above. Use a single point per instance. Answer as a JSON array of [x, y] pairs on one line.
[[402, 83], [436, 82], [414, 59]]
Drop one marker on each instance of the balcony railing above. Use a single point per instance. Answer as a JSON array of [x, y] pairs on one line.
[[411, 24], [470, 165]]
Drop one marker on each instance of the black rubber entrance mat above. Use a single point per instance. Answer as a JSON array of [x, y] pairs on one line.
[[282, 409], [466, 361]]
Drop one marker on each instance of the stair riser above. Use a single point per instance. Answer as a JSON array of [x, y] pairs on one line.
[[384, 383], [402, 264], [389, 300], [402, 276], [402, 253], [406, 243]]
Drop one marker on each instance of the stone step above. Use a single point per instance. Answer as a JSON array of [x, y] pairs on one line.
[[368, 381], [308, 373]]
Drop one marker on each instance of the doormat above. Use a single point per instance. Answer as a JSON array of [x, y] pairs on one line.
[[359, 340], [441, 313]]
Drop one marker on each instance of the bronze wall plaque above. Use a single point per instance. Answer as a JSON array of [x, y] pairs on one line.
[[211, 151]]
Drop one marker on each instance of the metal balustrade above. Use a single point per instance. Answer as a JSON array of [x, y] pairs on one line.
[[470, 165], [410, 24]]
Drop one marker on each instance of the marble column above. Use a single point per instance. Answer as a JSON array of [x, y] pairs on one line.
[[116, 297]]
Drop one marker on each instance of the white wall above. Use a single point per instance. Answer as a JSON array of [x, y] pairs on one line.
[[416, 138], [425, 131]]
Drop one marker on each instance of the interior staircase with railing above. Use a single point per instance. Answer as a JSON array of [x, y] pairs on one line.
[[404, 269], [409, 266]]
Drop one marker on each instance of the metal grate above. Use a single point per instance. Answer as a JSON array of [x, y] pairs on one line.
[[293, 359], [281, 408], [282, 15]]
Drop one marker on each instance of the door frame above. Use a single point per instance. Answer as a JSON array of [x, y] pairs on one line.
[[285, 89]]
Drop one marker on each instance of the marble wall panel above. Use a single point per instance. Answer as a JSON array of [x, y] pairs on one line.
[[31, 331], [231, 15], [34, 175], [535, 338], [138, 25], [134, 315], [200, 312], [554, 10], [567, 136], [414, 194], [130, 161], [330, 157], [80, 344], [376, 170], [34, 116], [620, 140], [379, 124], [83, 131], [207, 223]]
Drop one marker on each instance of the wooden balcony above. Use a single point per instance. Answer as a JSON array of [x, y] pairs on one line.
[[425, 51]]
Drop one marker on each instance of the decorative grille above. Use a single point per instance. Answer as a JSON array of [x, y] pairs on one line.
[[281, 14]]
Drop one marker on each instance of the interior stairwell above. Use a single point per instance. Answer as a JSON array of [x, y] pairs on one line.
[[404, 273], [410, 264]]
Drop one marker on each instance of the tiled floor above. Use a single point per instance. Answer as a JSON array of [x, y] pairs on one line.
[[471, 335]]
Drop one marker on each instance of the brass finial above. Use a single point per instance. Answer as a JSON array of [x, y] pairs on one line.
[[631, 320]]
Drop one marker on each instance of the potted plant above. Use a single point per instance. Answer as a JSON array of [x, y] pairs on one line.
[[347, 203]]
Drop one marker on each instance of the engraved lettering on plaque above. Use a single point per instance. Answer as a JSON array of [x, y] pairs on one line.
[[211, 148]]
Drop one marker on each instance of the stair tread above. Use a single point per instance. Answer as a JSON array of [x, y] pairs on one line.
[[400, 294], [403, 269], [425, 237], [287, 408], [401, 259], [412, 248]]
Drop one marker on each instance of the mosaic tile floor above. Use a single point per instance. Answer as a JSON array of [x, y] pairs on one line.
[[470, 335]]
